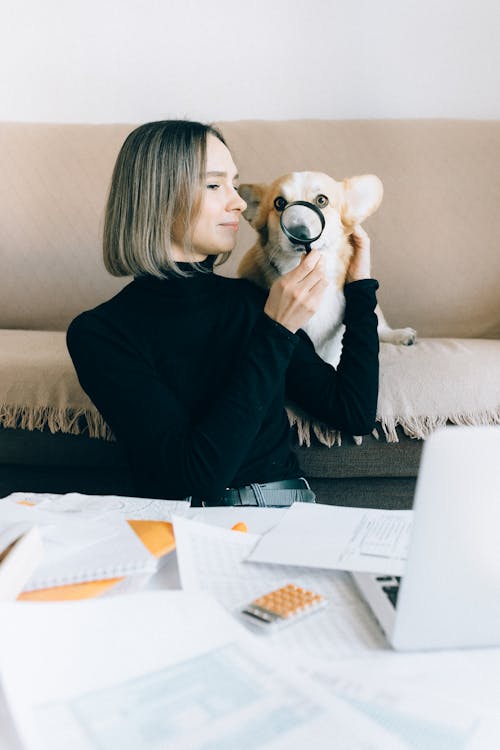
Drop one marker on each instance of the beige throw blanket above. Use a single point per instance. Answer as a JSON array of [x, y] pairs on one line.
[[424, 386], [421, 387], [39, 387]]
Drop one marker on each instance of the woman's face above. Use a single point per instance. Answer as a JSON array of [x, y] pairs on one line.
[[216, 226]]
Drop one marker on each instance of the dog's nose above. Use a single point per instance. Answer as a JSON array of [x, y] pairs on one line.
[[302, 222], [301, 232]]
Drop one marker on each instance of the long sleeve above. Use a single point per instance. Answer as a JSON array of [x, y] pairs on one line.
[[345, 398]]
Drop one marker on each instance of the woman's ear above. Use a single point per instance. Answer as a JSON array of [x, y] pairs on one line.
[[252, 194], [362, 197]]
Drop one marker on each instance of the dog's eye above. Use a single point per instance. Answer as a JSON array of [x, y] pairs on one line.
[[321, 200], [279, 203]]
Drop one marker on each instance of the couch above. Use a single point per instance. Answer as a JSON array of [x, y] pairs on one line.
[[435, 252]]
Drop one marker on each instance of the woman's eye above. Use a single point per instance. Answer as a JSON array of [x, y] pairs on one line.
[[279, 203], [321, 200], [212, 186]]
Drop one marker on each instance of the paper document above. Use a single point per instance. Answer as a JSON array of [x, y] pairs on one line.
[[257, 520], [213, 559], [429, 700], [327, 536], [161, 670], [74, 502]]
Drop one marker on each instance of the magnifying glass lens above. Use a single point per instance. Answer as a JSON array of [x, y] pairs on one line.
[[301, 223]]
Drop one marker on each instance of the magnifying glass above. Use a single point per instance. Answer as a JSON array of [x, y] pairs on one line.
[[303, 223]]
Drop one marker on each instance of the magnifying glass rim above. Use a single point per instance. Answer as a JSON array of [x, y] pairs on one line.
[[307, 204]]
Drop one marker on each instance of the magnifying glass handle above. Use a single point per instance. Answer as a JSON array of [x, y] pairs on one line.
[[307, 248]]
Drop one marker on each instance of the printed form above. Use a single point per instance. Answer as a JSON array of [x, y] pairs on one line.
[[354, 539], [428, 700], [212, 559], [159, 671]]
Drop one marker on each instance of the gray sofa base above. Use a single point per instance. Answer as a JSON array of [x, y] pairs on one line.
[[375, 474], [390, 493]]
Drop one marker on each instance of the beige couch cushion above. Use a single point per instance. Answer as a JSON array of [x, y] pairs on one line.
[[435, 237], [421, 387]]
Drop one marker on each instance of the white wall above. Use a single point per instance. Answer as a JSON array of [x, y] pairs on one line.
[[138, 60]]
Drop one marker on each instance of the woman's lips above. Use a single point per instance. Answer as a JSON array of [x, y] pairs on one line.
[[230, 225]]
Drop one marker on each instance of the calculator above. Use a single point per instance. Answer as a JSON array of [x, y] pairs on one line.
[[283, 606]]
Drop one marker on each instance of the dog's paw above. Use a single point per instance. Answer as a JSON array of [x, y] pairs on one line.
[[400, 336]]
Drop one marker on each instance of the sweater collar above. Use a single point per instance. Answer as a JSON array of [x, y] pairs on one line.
[[200, 280]]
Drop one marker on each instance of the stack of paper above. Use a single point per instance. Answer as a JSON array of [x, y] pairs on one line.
[[172, 670]]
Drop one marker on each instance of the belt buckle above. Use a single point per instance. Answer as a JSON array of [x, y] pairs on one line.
[[247, 496]]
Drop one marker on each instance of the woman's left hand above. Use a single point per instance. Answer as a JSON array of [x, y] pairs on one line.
[[360, 266]]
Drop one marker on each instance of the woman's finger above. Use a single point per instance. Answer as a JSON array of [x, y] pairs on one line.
[[306, 266]]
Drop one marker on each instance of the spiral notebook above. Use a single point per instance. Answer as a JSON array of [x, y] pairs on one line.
[[79, 547], [157, 536], [117, 555]]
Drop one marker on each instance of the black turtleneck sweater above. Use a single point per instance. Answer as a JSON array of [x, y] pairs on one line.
[[192, 377]]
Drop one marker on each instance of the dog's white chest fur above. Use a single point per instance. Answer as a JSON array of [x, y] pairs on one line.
[[325, 328]]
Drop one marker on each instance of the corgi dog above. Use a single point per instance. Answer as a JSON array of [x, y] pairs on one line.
[[344, 205]]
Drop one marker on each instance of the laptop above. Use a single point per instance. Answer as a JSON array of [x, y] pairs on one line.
[[449, 595]]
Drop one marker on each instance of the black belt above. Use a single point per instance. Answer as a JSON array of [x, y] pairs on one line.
[[268, 494]]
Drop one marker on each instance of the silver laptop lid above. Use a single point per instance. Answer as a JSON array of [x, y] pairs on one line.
[[450, 593]]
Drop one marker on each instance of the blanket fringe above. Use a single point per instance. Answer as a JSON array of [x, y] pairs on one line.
[[69, 421], [422, 427], [415, 427], [323, 433], [90, 422]]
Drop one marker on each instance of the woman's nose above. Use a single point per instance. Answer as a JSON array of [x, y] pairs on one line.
[[237, 203]]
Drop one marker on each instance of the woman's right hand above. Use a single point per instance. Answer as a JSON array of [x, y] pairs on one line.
[[295, 297]]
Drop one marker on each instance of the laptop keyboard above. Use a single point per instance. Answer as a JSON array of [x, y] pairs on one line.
[[390, 587]]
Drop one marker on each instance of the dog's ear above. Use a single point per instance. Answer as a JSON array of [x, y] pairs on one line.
[[252, 195], [362, 197]]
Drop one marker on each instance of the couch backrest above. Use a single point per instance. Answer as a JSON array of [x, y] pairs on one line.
[[435, 238], [53, 185]]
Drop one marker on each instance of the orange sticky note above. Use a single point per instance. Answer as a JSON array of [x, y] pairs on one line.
[[240, 526], [157, 536], [70, 592]]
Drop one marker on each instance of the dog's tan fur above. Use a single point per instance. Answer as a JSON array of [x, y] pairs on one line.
[[349, 203]]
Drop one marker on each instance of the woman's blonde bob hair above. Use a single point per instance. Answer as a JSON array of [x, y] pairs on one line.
[[155, 183]]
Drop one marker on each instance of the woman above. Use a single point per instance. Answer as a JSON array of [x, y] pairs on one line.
[[191, 370]]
